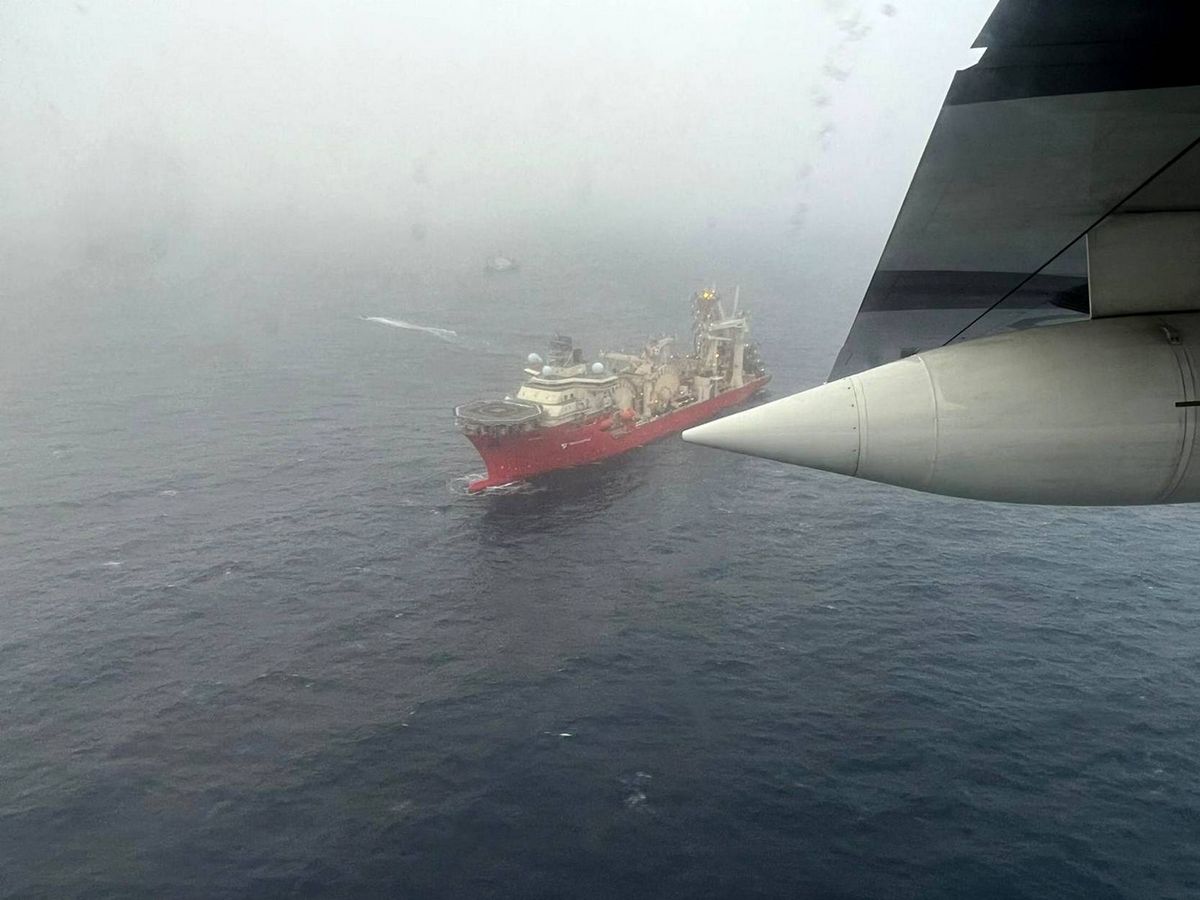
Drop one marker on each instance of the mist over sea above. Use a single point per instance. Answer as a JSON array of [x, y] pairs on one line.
[[255, 639], [256, 642]]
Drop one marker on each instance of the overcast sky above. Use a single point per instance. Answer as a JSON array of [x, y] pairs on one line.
[[134, 118]]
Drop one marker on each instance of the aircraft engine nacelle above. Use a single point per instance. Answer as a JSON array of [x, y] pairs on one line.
[[1101, 412]]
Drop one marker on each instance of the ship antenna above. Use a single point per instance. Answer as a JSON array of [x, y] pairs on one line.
[[737, 293]]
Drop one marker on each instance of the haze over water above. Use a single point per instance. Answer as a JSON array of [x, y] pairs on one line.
[[254, 640]]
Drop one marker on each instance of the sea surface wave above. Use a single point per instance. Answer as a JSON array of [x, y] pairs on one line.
[[254, 642]]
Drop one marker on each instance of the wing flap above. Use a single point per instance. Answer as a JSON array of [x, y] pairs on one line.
[[1141, 263]]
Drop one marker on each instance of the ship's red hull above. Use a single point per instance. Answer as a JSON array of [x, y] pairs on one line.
[[520, 456]]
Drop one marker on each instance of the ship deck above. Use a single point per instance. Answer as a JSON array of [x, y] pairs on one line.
[[498, 412]]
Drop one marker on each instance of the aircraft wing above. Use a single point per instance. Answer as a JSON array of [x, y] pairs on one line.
[[1061, 180], [1077, 109]]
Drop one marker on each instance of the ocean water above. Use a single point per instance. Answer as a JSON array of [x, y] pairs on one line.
[[255, 641]]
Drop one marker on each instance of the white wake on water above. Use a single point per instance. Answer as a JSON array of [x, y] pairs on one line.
[[444, 333], [460, 484]]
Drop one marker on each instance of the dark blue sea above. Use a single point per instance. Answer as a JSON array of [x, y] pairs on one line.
[[255, 641]]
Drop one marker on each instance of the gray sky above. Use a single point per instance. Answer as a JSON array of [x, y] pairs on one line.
[[125, 119]]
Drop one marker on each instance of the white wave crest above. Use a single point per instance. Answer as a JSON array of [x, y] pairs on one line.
[[444, 333]]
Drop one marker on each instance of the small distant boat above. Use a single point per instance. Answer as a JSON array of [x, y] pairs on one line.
[[500, 263]]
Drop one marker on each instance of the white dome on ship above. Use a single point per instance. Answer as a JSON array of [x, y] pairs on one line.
[[533, 359], [597, 368], [546, 370]]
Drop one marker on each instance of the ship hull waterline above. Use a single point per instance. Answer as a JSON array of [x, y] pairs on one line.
[[513, 458]]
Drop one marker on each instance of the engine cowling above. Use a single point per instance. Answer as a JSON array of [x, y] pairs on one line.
[[1099, 412]]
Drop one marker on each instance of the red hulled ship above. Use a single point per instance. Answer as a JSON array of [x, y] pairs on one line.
[[569, 412]]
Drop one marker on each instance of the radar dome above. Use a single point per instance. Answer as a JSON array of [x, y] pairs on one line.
[[597, 368], [546, 370], [533, 359]]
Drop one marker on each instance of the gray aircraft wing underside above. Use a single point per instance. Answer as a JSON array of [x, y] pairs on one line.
[[1077, 110]]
